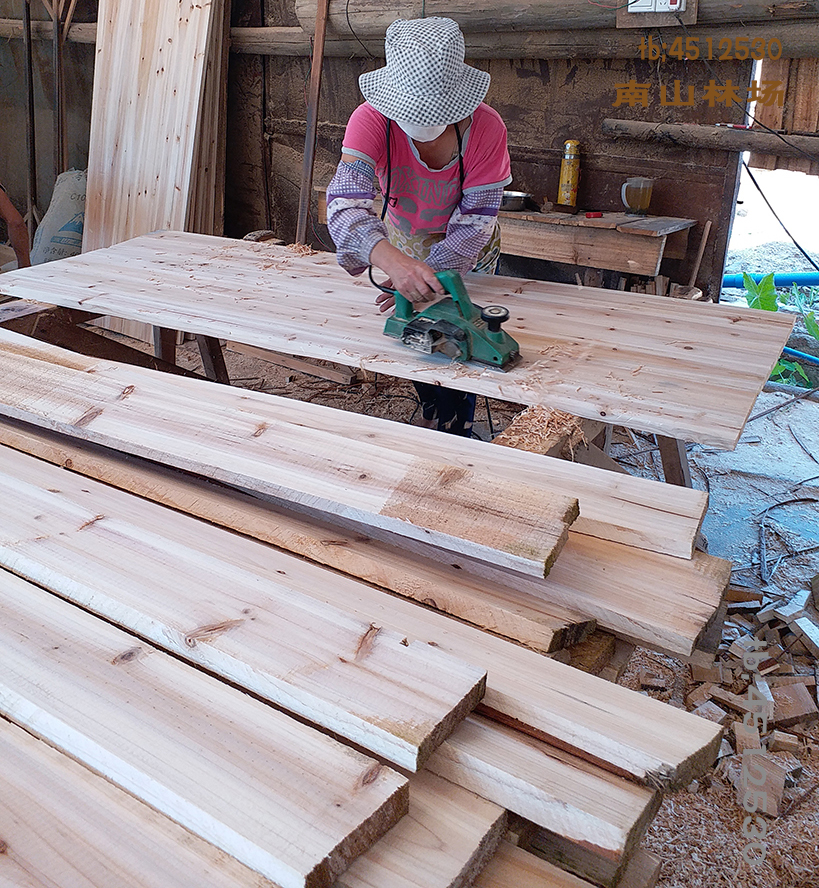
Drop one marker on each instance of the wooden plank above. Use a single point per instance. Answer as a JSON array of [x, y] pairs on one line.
[[605, 819], [446, 839], [63, 825], [221, 764], [515, 526], [513, 868], [621, 731], [621, 357], [655, 226], [622, 598], [101, 545]]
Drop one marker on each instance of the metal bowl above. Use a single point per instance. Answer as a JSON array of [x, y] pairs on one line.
[[514, 200]]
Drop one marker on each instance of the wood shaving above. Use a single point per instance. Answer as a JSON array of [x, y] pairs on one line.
[[540, 430], [301, 250]]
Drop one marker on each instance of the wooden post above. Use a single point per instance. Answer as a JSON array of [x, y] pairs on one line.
[[165, 344], [213, 359], [675, 461], [31, 201], [305, 192]]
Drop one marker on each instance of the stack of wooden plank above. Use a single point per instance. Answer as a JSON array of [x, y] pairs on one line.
[[116, 599]]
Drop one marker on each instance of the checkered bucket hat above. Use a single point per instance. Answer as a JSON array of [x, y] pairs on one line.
[[425, 81]]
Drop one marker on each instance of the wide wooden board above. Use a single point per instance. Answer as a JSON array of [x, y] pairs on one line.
[[178, 583], [211, 431], [62, 825], [149, 79], [446, 839], [625, 358], [287, 801]]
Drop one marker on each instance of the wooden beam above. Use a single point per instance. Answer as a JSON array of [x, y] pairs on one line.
[[674, 457], [798, 39], [514, 526], [720, 138], [334, 372], [621, 731], [62, 824], [448, 836], [370, 18], [625, 369], [223, 765], [213, 360], [374, 690]]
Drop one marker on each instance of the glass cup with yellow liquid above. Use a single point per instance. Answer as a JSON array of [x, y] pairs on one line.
[[636, 195]]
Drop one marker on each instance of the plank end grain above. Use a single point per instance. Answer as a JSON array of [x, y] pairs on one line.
[[516, 527]]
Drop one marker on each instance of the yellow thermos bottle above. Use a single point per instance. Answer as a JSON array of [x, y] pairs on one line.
[[569, 174]]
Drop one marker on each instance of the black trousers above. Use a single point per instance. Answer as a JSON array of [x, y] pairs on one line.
[[455, 411]]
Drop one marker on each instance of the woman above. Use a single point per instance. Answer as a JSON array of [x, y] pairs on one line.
[[17, 231], [441, 160]]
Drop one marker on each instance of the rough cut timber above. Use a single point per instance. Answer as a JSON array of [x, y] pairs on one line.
[[505, 610], [624, 600], [63, 825], [177, 582], [209, 430], [623, 732], [605, 819], [621, 357], [293, 805], [446, 839]]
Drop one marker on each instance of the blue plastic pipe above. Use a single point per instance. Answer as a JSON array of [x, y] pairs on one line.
[[786, 279], [800, 356]]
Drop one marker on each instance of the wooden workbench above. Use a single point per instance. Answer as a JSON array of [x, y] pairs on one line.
[[690, 371], [616, 241]]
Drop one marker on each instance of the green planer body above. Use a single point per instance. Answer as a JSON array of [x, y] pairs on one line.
[[454, 326]]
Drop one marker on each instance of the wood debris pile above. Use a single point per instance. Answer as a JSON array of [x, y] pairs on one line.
[[761, 685]]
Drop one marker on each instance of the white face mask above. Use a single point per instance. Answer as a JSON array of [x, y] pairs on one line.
[[421, 133]]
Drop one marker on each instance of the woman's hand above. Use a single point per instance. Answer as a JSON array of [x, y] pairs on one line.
[[413, 279]]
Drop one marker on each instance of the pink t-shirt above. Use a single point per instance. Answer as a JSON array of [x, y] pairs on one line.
[[421, 199]]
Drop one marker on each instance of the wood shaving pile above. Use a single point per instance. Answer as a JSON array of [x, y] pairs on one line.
[[539, 430], [301, 250]]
